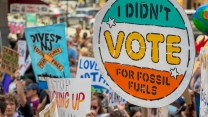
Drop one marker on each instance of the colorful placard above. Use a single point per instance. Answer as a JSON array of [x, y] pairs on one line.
[[9, 63], [144, 50], [22, 48], [73, 96], [48, 51], [87, 68]]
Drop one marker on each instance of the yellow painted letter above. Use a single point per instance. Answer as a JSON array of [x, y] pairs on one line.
[[138, 37], [155, 39], [114, 51], [173, 39]]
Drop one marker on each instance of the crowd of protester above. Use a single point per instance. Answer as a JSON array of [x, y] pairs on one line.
[[23, 98]]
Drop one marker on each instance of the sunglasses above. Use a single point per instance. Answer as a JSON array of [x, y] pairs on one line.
[[94, 107]]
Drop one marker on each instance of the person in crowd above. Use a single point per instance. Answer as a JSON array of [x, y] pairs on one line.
[[44, 100], [11, 105], [136, 112], [25, 108], [73, 56], [84, 52], [1, 89], [96, 107], [32, 91], [195, 85], [2, 106], [83, 40], [116, 113], [78, 31]]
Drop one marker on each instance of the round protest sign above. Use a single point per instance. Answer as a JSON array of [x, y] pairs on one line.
[[145, 50]]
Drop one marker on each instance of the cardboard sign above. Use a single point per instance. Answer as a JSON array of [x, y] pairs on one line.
[[114, 98], [145, 50], [25, 66], [87, 68], [48, 51], [50, 110], [9, 62], [204, 81], [22, 48], [73, 96]]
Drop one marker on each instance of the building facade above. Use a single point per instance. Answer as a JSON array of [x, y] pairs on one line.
[[3, 21]]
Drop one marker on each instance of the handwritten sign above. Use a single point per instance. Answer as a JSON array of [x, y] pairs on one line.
[[87, 68], [48, 51], [73, 96], [22, 48], [50, 110], [114, 98], [144, 50], [204, 81], [9, 63]]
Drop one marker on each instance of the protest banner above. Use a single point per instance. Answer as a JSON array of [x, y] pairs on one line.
[[114, 98], [204, 81], [22, 48], [48, 51], [73, 96], [87, 68], [9, 63], [50, 110], [25, 66], [144, 50]]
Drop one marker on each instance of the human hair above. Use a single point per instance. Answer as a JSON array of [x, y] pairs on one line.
[[101, 110], [2, 104], [11, 97], [134, 111], [116, 113]]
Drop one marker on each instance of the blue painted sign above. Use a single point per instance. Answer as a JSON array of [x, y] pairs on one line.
[[87, 68], [48, 51]]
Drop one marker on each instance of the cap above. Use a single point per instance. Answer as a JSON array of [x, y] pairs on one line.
[[32, 86]]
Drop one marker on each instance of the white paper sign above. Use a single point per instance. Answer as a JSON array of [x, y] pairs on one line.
[[73, 96], [204, 83], [22, 48], [50, 110], [114, 98], [25, 66], [87, 68]]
